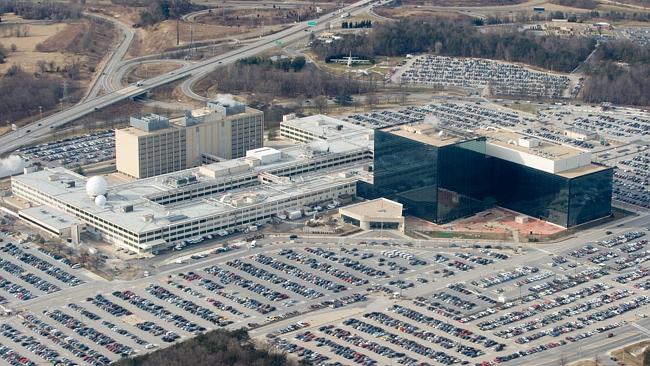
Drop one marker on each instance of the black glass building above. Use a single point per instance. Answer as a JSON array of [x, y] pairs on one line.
[[443, 178]]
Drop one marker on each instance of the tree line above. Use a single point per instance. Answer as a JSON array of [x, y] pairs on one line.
[[618, 72], [354, 25], [160, 10], [266, 78], [461, 38], [218, 347], [42, 10], [295, 64], [522, 17], [23, 94]]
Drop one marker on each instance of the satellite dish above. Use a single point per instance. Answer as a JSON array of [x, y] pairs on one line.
[[96, 186], [100, 200]]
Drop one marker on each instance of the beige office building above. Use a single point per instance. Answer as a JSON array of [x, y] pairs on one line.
[[154, 145]]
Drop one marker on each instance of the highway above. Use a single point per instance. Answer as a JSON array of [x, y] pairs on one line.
[[290, 35], [102, 80], [41, 128]]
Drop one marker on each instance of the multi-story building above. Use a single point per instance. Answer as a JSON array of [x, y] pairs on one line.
[[155, 213], [150, 147], [442, 175], [154, 145]]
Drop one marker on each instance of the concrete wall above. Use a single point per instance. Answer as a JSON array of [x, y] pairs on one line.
[[126, 153]]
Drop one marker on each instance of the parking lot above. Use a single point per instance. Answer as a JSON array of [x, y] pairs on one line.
[[372, 303], [506, 314], [491, 77], [453, 114], [87, 149]]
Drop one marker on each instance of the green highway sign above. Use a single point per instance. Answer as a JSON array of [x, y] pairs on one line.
[[311, 23]]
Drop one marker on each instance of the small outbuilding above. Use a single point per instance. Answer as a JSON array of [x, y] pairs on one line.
[[378, 214]]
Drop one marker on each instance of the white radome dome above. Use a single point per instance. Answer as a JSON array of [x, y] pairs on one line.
[[96, 186], [319, 146], [100, 200]]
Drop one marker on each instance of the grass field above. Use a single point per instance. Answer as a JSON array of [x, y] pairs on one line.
[[26, 54]]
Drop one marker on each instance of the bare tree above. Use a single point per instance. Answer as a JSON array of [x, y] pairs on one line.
[[371, 100], [320, 102], [42, 66]]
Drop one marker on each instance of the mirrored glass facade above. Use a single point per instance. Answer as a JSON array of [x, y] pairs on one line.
[[443, 183]]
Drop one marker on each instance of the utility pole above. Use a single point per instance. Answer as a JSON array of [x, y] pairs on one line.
[[64, 97], [65, 90], [191, 38]]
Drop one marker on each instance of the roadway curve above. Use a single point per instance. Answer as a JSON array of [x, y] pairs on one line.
[[102, 80], [191, 17], [116, 78], [187, 85], [42, 128]]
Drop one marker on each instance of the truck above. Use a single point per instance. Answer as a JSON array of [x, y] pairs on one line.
[[345, 15], [139, 83], [294, 215]]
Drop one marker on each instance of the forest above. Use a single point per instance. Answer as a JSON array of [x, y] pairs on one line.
[[218, 347], [273, 78], [159, 10], [461, 38], [41, 10], [619, 72], [24, 93]]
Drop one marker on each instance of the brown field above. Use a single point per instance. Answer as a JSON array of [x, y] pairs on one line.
[[145, 71], [462, 2], [50, 48], [636, 3], [27, 56], [417, 13], [128, 15], [632, 355], [162, 36], [584, 363], [254, 18]]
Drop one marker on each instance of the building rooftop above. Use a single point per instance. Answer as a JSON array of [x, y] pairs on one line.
[[426, 133], [583, 170], [139, 132], [50, 216], [543, 149], [206, 111], [69, 187], [326, 128], [580, 130], [147, 215], [378, 209]]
